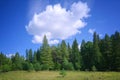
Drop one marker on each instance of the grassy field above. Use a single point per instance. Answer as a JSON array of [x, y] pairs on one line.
[[54, 75]]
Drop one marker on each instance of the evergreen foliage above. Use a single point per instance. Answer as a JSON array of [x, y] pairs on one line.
[[101, 54]]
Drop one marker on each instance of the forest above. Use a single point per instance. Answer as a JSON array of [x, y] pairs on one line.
[[97, 55]]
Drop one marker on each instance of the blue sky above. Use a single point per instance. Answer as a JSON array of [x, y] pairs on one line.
[[24, 22]]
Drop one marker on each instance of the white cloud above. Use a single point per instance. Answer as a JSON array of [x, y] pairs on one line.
[[79, 46], [10, 55], [58, 23], [91, 31]]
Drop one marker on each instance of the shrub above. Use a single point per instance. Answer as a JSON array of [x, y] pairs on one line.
[[6, 68], [37, 67], [62, 73], [44, 67], [28, 66], [57, 66], [94, 68]]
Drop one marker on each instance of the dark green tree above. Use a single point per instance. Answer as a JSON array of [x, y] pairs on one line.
[[116, 51], [37, 66], [106, 51], [64, 53], [30, 54], [35, 57], [17, 61], [46, 57], [69, 52], [87, 55], [96, 52], [55, 51], [5, 63], [76, 57], [38, 56]]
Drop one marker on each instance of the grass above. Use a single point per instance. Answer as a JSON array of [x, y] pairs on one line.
[[54, 75]]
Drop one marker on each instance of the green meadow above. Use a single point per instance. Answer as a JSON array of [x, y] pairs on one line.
[[54, 75]]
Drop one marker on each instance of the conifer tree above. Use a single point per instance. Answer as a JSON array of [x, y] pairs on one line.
[[46, 57], [116, 51], [96, 51], [75, 57]]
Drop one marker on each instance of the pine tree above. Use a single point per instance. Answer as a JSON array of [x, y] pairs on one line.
[[35, 57], [38, 56], [17, 61], [116, 51], [30, 54], [5, 63], [46, 57], [64, 50], [106, 51], [75, 57], [87, 55], [96, 51], [69, 52]]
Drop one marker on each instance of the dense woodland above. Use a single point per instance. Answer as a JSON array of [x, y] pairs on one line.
[[98, 55]]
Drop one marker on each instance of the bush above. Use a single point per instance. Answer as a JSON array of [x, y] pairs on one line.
[[67, 65], [94, 68], [17, 66], [57, 66], [37, 67], [28, 66], [44, 67], [62, 73], [6, 68]]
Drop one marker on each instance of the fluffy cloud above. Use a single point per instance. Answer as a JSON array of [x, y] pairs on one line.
[[91, 31], [58, 23], [10, 55]]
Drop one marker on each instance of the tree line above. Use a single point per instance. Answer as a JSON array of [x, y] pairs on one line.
[[97, 55]]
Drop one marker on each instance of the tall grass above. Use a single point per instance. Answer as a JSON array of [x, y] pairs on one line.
[[54, 75]]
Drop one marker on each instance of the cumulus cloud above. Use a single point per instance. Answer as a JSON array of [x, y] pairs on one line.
[[10, 55], [57, 23], [91, 31]]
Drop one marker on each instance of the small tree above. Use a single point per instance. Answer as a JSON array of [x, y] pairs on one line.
[[62, 73], [5, 68], [94, 68], [28, 66], [37, 67]]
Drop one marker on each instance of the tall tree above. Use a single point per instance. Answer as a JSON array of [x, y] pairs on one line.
[[96, 51], [64, 53], [75, 57], [35, 57], [64, 50], [106, 51], [38, 56], [46, 57], [69, 52], [5, 63], [87, 55], [17, 61], [30, 56], [116, 51]]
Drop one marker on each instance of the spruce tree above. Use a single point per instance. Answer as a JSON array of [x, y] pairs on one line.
[[116, 51], [96, 51], [75, 56], [64, 53], [106, 51], [87, 55], [46, 57]]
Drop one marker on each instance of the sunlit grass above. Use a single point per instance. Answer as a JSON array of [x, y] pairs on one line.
[[54, 75]]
